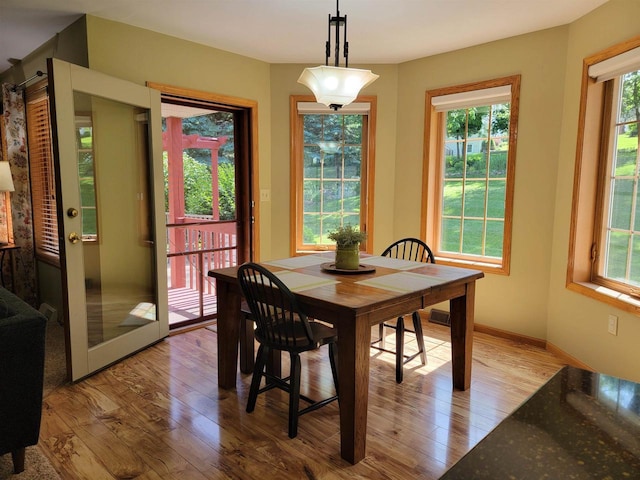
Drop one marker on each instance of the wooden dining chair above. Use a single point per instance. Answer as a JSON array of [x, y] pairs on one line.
[[417, 251], [281, 325]]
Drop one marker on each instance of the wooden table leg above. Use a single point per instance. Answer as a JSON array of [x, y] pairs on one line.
[[229, 318], [462, 318], [247, 351], [354, 337]]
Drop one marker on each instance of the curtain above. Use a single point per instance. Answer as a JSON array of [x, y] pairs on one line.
[[23, 270]]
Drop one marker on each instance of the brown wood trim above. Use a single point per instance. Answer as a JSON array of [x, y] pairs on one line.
[[536, 342], [203, 95], [295, 175], [475, 265], [565, 357], [295, 179], [587, 189], [431, 187], [614, 299], [577, 178], [511, 172], [429, 169], [370, 165], [481, 85], [517, 337], [255, 180], [431, 172], [612, 51]]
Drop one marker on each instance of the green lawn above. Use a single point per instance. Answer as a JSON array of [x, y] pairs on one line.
[[454, 210], [627, 151]]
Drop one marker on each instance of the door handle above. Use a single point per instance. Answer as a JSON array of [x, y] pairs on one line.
[[74, 237]]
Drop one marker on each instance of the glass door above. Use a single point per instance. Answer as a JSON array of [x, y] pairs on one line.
[[109, 166], [200, 160]]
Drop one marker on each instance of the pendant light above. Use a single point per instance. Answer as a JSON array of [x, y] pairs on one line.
[[336, 86]]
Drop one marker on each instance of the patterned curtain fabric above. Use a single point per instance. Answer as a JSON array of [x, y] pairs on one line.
[[15, 139]]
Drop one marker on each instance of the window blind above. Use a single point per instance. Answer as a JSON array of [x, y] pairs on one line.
[[43, 191], [356, 108], [626, 62], [472, 98]]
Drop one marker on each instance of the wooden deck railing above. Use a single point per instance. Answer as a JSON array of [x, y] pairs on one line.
[[196, 246]]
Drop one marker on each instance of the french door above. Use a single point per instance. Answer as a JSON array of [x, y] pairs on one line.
[[108, 157]]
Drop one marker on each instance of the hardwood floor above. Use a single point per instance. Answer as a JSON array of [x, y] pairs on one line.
[[160, 415]]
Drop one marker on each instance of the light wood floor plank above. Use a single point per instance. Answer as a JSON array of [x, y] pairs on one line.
[[159, 415]]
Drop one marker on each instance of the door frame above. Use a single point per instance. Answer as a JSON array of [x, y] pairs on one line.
[[247, 181]]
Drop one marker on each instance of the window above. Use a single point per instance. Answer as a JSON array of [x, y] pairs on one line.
[[86, 177], [43, 190], [332, 164], [604, 255], [470, 145]]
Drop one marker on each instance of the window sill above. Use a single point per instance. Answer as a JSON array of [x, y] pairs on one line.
[[477, 265], [603, 294]]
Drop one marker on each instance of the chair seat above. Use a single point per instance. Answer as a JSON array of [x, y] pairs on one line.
[[322, 335]]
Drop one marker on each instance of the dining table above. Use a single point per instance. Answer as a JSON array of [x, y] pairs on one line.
[[381, 289]]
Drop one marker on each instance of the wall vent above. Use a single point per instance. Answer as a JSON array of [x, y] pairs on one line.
[[440, 317]]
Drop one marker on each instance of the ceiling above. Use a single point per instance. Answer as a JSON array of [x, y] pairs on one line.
[[295, 31]]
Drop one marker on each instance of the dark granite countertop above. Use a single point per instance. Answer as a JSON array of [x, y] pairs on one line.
[[579, 425]]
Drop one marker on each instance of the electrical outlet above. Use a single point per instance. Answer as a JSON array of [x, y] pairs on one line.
[[613, 325], [265, 195]]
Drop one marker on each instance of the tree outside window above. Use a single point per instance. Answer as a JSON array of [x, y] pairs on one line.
[[332, 176], [331, 162]]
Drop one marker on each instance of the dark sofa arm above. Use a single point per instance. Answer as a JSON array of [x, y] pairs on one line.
[[22, 336]]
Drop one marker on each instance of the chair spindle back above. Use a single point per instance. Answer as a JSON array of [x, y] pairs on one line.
[[410, 249], [279, 322]]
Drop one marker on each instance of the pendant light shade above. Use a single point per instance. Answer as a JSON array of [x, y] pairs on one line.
[[336, 86]]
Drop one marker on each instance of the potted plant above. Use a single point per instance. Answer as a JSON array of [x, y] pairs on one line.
[[347, 240]]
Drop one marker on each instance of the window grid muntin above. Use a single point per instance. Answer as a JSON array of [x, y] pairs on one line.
[[606, 272], [490, 139], [87, 178], [337, 145]]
